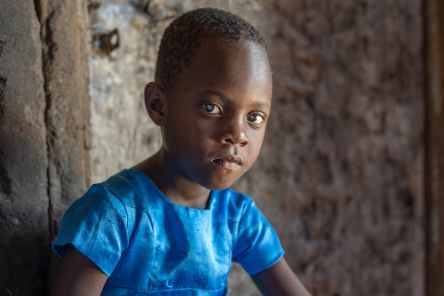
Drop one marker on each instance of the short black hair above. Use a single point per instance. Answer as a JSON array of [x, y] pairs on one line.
[[182, 37]]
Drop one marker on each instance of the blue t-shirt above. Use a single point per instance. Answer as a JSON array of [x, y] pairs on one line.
[[147, 245]]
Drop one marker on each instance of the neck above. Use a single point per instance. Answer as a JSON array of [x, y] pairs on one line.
[[170, 180]]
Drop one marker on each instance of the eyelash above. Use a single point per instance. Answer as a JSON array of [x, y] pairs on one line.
[[206, 106]]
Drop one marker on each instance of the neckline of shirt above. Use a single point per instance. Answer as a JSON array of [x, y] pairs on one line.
[[210, 202]]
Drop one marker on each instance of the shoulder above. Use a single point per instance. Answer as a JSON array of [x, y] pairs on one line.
[[98, 225], [96, 199], [96, 206], [256, 244], [132, 188], [116, 197]]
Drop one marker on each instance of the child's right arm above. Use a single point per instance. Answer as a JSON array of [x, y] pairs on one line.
[[93, 234], [75, 275]]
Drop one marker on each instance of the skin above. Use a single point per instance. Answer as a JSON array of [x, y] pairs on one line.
[[76, 275], [218, 109]]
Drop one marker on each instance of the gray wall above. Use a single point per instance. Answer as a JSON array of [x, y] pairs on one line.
[[44, 133], [24, 231], [341, 171]]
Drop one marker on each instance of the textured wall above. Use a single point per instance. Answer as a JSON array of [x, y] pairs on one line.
[[344, 153], [120, 65], [44, 119], [24, 232], [340, 174]]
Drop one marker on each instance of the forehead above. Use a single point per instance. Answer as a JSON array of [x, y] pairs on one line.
[[238, 69]]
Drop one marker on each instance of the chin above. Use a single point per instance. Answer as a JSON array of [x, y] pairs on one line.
[[219, 184]]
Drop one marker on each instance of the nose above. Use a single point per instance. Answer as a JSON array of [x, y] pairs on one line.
[[242, 140], [234, 132]]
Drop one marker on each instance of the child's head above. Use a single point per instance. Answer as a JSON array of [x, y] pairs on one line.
[[212, 96]]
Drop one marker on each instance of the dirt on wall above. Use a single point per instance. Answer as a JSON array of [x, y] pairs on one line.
[[340, 175]]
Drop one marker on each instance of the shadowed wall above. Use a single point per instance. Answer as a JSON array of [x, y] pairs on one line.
[[44, 133]]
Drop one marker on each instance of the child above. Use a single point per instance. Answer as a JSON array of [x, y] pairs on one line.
[[170, 225]]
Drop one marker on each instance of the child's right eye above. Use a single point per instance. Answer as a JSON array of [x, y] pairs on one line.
[[211, 108]]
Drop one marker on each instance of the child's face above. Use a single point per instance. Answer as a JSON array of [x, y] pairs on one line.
[[217, 112]]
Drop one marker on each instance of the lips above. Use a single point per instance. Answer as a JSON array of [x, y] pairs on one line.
[[229, 162]]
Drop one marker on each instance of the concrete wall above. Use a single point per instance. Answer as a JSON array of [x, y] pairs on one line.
[[24, 232], [44, 133], [344, 156]]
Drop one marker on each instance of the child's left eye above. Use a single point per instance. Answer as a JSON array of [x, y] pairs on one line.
[[211, 108], [257, 119]]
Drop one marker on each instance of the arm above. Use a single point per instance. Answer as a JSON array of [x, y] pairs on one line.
[[279, 280], [77, 275]]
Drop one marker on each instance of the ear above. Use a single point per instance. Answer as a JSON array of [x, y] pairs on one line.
[[155, 102]]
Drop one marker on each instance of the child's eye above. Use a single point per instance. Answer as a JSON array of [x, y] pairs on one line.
[[257, 118], [211, 108]]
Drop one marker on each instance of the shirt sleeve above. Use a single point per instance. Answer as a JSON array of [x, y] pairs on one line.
[[96, 225], [257, 246]]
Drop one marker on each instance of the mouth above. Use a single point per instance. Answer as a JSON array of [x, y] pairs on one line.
[[228, 162]]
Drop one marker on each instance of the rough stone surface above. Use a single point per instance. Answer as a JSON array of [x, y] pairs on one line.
[[44, 130], [122, 133], [67, 102], [344, 153], [24, 232], [340, 175]]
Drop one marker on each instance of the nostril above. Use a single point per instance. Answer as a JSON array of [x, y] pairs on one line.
[[240, 140], [229, 140], [242, 144]]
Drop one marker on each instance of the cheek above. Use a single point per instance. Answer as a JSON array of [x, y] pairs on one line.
[[174, 134], [186, 136], [255, 140]]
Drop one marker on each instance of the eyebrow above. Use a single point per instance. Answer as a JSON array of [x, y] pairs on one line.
[[221, 95]]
